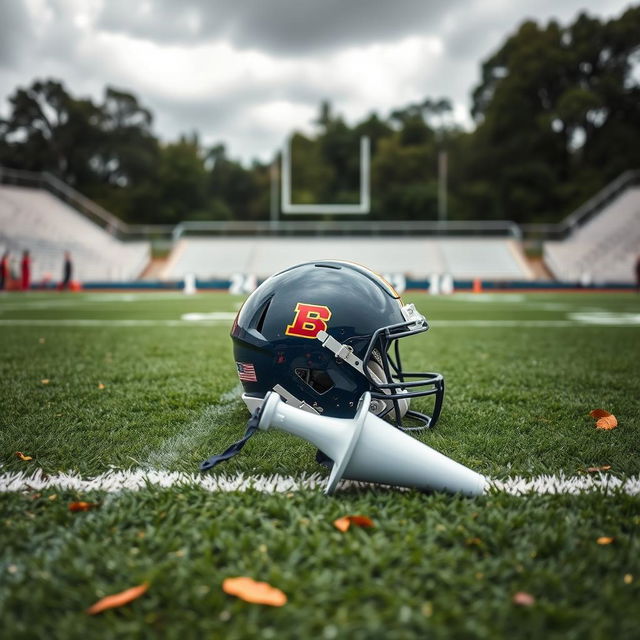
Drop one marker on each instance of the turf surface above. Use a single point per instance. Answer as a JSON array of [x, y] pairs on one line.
[[131, 384]]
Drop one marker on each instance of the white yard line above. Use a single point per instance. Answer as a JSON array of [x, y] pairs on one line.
[[137, 479]]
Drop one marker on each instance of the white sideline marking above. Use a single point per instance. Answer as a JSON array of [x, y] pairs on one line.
[[136, 479]]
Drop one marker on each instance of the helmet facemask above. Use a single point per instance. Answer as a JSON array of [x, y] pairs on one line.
[[392, 388]]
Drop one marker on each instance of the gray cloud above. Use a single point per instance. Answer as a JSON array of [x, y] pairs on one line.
[[92, 43], [285, 27], [15, 32]]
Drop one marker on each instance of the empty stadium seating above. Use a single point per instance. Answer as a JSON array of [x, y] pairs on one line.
[[36, 220], [219, 257], [603, 250]]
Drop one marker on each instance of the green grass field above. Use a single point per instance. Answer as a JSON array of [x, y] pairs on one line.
[[93, 383]]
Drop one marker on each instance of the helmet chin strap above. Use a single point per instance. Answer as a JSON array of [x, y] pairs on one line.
[[341, 351]]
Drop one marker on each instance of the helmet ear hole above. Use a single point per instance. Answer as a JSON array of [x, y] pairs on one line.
[[317, 379]]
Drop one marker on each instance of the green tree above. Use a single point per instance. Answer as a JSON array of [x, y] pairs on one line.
[[552, 104], [234, 190], [48, 130]]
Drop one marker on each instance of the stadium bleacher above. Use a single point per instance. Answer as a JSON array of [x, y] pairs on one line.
[[219, 257], [602, 246], [604, 249], [34, 219]]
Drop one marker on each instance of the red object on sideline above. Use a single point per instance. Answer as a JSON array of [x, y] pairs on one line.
[[25, 271]]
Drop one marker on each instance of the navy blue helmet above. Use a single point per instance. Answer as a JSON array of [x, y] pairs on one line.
[[321, 334]]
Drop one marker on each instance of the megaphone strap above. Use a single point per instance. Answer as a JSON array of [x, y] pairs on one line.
[[236, 447]]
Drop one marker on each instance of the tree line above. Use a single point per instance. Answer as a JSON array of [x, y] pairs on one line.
[[556, 113]]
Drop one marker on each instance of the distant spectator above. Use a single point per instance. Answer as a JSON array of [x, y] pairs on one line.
[[638, 274], [66, 271], [4, 271], [25, 271]]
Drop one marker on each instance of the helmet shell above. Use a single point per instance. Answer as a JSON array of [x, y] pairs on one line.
[[275, 331]]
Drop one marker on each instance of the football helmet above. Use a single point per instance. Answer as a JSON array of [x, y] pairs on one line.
[[322, 333]]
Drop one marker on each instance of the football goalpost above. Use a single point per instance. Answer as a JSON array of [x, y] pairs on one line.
[[362, 208]]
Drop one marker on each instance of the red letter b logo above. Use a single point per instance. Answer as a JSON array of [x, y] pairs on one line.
[[309, 319]]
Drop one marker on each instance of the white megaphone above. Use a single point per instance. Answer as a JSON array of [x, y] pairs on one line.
[[368, 449]]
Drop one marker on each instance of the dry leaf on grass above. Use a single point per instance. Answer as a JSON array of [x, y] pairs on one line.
[[607, 423], [604, 419], [118, 599], [101, 386], [605, 540], [82, 506], [45, 381], [605, 467], [523, 599], [249, 590], [23, 457], [345, 522]]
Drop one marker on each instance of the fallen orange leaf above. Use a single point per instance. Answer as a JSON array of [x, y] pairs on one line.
[[523, 599], [249, 590], [100, 385], [117, 599], [605, 467], [23, 457], [345, 522], [82, 506], [45, 381], [607, 423], [599, 413], [605, 540]]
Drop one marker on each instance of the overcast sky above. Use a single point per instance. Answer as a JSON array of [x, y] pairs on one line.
[[246, 72]]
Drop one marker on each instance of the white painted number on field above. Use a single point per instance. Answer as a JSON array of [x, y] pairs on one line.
[[242, 283]]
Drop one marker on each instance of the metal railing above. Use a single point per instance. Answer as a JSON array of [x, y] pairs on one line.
[[348, 228]]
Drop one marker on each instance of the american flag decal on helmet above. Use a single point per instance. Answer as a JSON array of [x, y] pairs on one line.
[[246, 372]]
